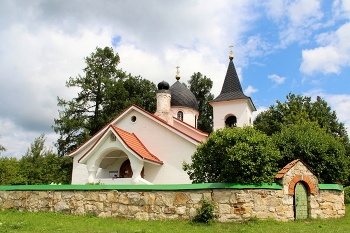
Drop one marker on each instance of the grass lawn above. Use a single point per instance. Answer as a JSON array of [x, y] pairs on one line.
[[15, 221]]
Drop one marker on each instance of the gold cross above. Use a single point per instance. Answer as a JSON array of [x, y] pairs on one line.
[[231, 56], [177, 72]]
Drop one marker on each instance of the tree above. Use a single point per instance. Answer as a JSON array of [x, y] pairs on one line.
[[2, 148], [40, 165], [104, 93], [201, 86], [239, 155], [323, 153], [300, 108]]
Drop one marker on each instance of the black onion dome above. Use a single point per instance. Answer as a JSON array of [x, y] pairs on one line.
[[181, 96], [231, 89], [163, 85]]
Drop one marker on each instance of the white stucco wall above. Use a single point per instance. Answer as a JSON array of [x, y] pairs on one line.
[[238, 108], [169, 147], [190, 115]]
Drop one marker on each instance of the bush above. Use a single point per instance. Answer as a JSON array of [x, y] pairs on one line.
[[347, 195], [205, 214]]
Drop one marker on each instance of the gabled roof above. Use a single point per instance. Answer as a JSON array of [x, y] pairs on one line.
[[144, 112], [286, 168], [130, 141]]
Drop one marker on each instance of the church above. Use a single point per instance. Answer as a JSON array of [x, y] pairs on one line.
[[138, 147]]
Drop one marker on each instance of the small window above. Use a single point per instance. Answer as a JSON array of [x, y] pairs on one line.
[[113, 138], [231, 121], [133, 119], [180, 115]]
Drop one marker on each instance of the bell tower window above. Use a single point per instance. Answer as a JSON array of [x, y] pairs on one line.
[[180, 115], [231, 121]]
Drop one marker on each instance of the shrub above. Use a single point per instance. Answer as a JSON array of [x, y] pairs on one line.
[[205, 214], [347, 195]]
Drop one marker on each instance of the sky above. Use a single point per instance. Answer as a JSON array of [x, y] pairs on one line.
[[280, 47]]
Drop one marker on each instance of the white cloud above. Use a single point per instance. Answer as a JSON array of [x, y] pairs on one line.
[[296, 19], [249, 90], [277, 79], [331, 57]]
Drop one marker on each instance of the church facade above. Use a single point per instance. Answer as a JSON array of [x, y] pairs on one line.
[[138, 147]]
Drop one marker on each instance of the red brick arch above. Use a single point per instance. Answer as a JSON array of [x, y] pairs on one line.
[[310, 186]]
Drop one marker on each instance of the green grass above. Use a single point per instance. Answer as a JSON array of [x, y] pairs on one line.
[[15, 221]]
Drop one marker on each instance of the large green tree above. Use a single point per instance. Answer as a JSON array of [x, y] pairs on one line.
[[299, 108], [201, 86], [323, 153], [239, 155], [104, 92]]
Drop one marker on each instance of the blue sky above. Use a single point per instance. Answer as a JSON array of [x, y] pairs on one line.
[[280, 46]]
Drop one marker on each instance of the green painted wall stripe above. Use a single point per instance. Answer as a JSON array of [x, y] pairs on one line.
[[331, 186], [142, 187]]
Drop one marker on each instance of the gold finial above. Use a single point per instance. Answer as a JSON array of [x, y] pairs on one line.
[[177, 73], [231, 56]]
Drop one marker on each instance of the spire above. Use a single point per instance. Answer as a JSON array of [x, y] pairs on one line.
[[231, 89]]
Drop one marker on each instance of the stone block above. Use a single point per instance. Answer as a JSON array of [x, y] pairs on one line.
[[149, 198], [195, 197], [102, 197], [168, 198], [67, 195], [123, 199], [107, 214], [112, 196], [134, 209], [181, 199], [221, 196], [142, 216], [61, 206], [134, 198], [181, 210], [92, 196]]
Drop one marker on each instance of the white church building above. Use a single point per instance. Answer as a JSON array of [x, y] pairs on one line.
[[138, 147]]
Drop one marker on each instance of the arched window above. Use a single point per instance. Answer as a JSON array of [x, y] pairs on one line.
[[180, 115], [231, 121]]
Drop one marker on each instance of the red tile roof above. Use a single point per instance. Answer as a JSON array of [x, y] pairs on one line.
[[286, 168], [131, 140]]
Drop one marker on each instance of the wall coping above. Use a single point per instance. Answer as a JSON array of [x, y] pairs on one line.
[[143, 187], [159, 187], [330, 186]]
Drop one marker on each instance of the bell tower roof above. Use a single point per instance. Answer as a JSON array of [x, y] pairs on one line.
[[231, 89]]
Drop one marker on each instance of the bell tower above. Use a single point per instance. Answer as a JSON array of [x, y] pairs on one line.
[[232, 108]]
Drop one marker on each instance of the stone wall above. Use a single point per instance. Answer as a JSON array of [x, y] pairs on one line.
[[232, 204]]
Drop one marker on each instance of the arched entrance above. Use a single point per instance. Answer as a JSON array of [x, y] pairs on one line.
[[301, 205], [126, 171]]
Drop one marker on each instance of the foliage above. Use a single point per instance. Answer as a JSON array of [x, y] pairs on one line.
[[323, 153], [347, 195], [105, 91], [201, 86], [297, 109], [2, 148], [234, 155], [9, 170], [205, 214], [38, 166]]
